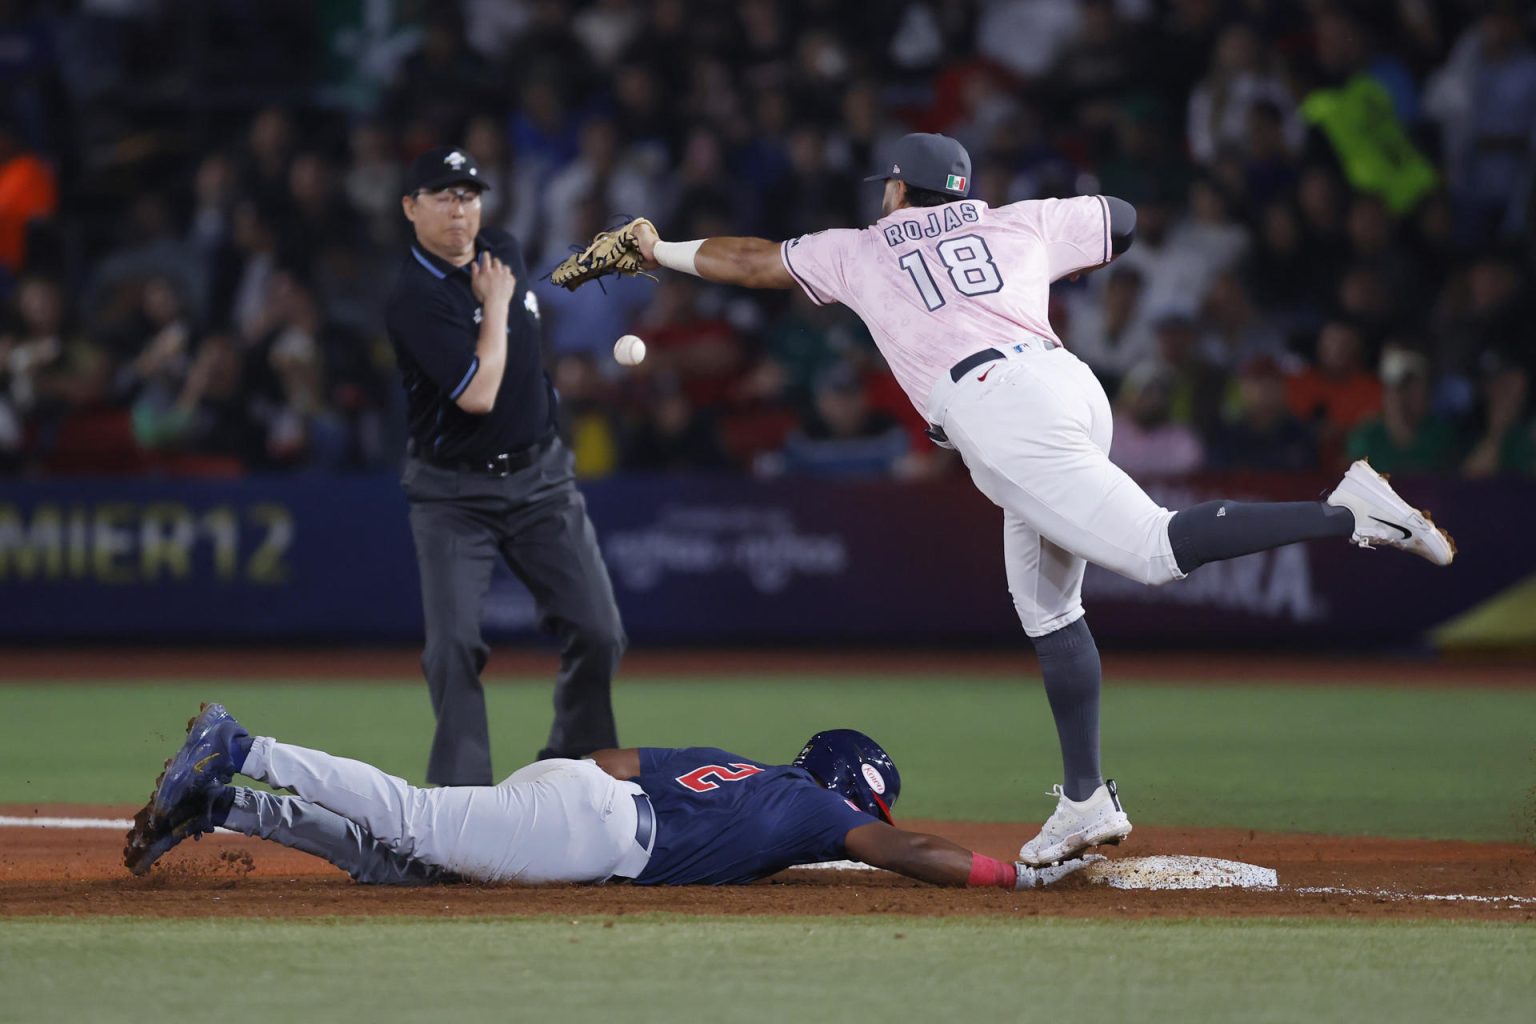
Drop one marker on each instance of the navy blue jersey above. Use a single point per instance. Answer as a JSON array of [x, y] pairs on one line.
[[724, 819]]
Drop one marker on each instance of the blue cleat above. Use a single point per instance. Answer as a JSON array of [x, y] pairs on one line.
[[153, 836], [205, 759]]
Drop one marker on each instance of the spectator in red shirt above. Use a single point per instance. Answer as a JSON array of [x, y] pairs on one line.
[[702, 350], [1338, 393], [28, 192]]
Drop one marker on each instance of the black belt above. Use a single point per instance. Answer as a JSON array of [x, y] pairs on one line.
[[503, 464], [957, 371], [972, 361], [645, 821]]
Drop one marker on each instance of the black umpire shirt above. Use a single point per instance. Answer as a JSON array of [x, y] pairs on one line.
[[434, 324]]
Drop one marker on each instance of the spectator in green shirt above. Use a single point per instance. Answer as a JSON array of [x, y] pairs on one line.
[[1406, 437], [1508, 441]]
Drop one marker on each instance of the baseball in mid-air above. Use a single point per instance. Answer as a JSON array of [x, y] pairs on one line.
[[629, 350]]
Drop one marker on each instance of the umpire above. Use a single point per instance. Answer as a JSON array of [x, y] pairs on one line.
[[487, 476]]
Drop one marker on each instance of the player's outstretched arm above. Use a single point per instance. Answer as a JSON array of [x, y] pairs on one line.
[[748, 262], [935, 859]]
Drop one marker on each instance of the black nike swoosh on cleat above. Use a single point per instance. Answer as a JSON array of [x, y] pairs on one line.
[[1395, 526]]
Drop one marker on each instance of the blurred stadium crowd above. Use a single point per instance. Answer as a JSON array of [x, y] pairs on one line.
[[199, 217]]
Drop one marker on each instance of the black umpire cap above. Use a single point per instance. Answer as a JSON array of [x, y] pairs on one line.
[[446, 165], [935, 162]]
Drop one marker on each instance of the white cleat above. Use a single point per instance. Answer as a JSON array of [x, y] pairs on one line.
[[1383, 518], [1077, 825]]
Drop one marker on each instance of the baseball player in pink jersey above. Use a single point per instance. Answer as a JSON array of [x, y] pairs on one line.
[[955, 294]]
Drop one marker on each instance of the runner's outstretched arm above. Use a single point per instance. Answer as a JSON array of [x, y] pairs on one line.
[[935, 859]]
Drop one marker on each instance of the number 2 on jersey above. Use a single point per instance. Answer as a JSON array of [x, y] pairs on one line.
[[970, 267], [699, 779]]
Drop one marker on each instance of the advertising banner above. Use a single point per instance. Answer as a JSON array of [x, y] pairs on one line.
[[296, 558], [709, 561]]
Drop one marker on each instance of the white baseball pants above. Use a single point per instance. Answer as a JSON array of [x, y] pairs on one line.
[[552, 821], [1034, 429]]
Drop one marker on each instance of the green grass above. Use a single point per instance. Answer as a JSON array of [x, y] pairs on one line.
[[1415, 762], [1352, 760], [722, 971]]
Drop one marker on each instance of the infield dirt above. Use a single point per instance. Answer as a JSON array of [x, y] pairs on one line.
[[79, 872]]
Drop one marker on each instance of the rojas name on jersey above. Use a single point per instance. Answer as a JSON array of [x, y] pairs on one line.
[[940, 219]]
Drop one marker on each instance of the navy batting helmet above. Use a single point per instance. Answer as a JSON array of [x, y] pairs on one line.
[[848, 762]]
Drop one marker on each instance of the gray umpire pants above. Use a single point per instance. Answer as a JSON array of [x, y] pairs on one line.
[[536, 521]]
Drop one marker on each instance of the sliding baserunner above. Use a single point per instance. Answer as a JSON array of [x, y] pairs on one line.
[[656, 816]]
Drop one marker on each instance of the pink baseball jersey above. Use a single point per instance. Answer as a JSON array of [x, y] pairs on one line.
[[935, 284]]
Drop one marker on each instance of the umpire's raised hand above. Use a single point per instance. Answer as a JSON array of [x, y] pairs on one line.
[[492, 281]]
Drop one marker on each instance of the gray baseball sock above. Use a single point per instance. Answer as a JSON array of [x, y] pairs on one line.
[[1223, 529], [1069, 660], [301, 825]]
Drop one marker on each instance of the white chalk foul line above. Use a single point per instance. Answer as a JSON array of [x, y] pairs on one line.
[[121, 824], [1233, 875], [1430, 897], [104, 824], [118, 824]]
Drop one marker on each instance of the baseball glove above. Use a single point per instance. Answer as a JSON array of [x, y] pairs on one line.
[[611, 252]]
